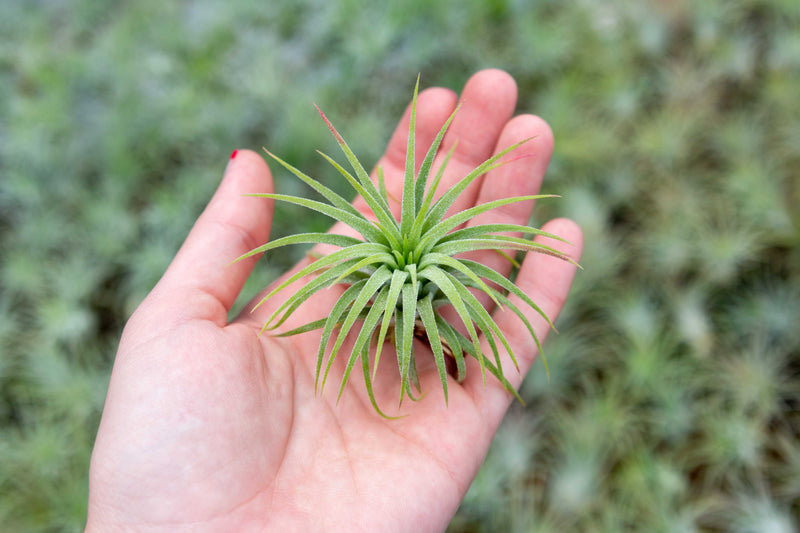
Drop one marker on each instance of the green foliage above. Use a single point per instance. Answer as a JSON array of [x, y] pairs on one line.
[[677, 151], [401, 272]]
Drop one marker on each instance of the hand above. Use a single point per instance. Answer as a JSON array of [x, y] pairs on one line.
[[209, 426]]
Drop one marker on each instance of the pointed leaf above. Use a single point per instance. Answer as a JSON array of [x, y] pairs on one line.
[[341, 305], [436, 275], [310, 326], [441, 206], [442, 228], [427, 163], [368, 383], [408, 202], [357, 222], [467, 346], [432, 331], [409, 314], [333, 320], [398, 280], [334, 239], [372, 285], [361, 174], [498, 242], [516, 310], [361, 346], [448, 336], [485, 322], [382, 185], [441, 259], [382, 258], [329, 277], [374, 201], [351, 252], [478, 231], [413, 377], [333, 197], [423, 211], [495, 277]]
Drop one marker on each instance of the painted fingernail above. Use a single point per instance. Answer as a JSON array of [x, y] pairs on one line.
[[233, 154]]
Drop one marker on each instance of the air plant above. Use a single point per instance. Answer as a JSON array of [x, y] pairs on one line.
[[400, 273]]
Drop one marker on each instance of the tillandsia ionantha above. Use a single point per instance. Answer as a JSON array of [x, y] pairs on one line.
[[400, 273]]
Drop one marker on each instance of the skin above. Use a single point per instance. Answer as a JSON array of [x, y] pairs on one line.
[[208, 426]]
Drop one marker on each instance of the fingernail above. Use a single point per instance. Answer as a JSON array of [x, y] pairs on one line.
[[230, 160]]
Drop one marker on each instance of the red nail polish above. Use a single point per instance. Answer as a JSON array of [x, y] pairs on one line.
[[233, 154]]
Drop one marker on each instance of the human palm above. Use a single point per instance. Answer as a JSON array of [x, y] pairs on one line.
[[210, 426]]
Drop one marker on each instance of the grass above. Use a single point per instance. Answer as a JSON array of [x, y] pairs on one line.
[[675, 390]]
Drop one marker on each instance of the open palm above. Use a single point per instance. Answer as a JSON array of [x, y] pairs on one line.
[[209, 426]]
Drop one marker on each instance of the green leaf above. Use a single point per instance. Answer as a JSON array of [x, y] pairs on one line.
[[498, 242], [369, 289], [517, 311], [329, 277], [333, 197], [432, 331], [334, 239], [382, 185], [341, 305], [368, 383], [422, 214], [357, 222], [441, 259], [364, 335], [413, 377], [511, 288], [382, 258], [441, 229], [441, 206], [495, 277], [376, 203], [398, 280], [406, 344], [305, 328], [448, 335], [485, 322], [408, 202], [468, 347], [427, 163], [481, 230], [361, 174], [351, 252], [440, 278]]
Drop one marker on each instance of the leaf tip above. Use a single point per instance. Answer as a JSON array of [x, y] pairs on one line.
[[335, 133]]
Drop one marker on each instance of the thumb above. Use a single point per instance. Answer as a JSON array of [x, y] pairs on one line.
[[201, 282]]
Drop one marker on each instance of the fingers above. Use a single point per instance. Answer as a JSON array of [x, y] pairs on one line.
[[517, 178], [487, 104], [521, 177], [546, 280], [201, 282]]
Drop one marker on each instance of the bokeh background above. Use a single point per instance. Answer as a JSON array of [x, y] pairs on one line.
[[675, 390]]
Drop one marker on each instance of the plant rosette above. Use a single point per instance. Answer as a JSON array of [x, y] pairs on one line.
[[400, 274]]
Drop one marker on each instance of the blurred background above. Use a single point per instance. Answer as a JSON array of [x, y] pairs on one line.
[[673, 404]]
